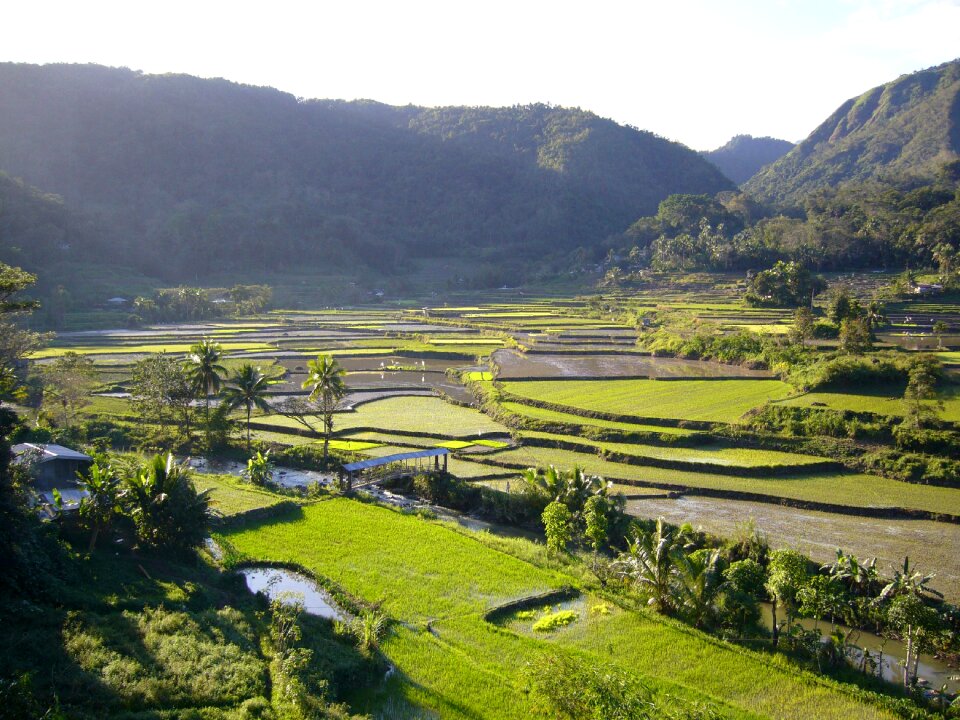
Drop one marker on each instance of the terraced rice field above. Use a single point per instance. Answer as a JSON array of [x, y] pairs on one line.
[[410, 414], [819, 534], [536, 413], [707, 400], [876, 402], [847, 489], [439, 581], [726, 456]]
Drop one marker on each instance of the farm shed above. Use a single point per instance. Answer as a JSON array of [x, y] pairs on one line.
[[389, 467], [56, 465]]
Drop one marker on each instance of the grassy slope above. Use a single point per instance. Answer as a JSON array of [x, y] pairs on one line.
[[231, 496], [462, 667], [712, 400]]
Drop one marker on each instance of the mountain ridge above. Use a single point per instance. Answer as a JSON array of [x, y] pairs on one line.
[[741, 157], [910, 125], [188, 175]]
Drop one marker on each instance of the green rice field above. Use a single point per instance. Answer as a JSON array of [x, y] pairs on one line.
[[439, 581], [875, 402], [708, 400], [408, 413]]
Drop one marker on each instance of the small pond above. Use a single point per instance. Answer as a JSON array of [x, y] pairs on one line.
[[288, 586]]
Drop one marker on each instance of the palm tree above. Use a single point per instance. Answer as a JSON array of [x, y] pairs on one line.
[[204, 372], [651, 564], [248, 389], [327, 389], [702, 583], [166, 508], [571, 487], [102, 502]]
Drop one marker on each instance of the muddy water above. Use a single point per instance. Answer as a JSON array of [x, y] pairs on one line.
[[931, 545], [517, 365], [893, 652], [288, 587]]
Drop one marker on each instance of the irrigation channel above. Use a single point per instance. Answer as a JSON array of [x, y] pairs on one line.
[[890, 653]]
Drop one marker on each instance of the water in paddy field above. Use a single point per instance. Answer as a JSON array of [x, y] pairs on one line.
[[288, 587], [516, 365], [818, 534]]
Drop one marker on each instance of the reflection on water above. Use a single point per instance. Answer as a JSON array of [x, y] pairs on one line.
[[288, 587]]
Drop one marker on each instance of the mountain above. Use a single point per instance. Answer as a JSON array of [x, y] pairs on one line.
[[187, 176], [744, 155], [910, 126]]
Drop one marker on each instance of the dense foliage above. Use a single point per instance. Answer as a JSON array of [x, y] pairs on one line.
[[190, 176], [905, 126]]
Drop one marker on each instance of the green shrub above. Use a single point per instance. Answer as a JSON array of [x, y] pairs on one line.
[[555, 621]]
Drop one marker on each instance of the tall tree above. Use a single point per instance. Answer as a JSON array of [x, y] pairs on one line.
[[247, 389], [162, 398], [205, 372], [920, 395], [26, 554], [327, 389], [67, 382]]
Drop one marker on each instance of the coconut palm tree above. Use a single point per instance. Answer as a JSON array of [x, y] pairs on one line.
[[248, 389], [166, 508], [102, 502], [651, 563], [702, 583], [204, 372], [327, 390]]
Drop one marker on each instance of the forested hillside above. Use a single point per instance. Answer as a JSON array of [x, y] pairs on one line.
[[183, 176], [744, 155], [910, 126]]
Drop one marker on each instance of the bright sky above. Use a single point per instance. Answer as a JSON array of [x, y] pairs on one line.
[[697, 71]]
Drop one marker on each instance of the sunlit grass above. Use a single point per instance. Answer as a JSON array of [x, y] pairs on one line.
[[117, 349], [712, 400]]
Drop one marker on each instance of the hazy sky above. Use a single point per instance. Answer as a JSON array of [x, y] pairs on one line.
[[691, 70]]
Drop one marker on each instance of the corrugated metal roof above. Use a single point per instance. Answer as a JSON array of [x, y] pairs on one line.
[[50, 452], [387, 459]]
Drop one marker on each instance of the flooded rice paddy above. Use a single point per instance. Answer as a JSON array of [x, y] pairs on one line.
[[515, 365], [930, 545]]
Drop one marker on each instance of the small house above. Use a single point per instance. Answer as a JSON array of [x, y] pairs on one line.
[[56, 466]]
